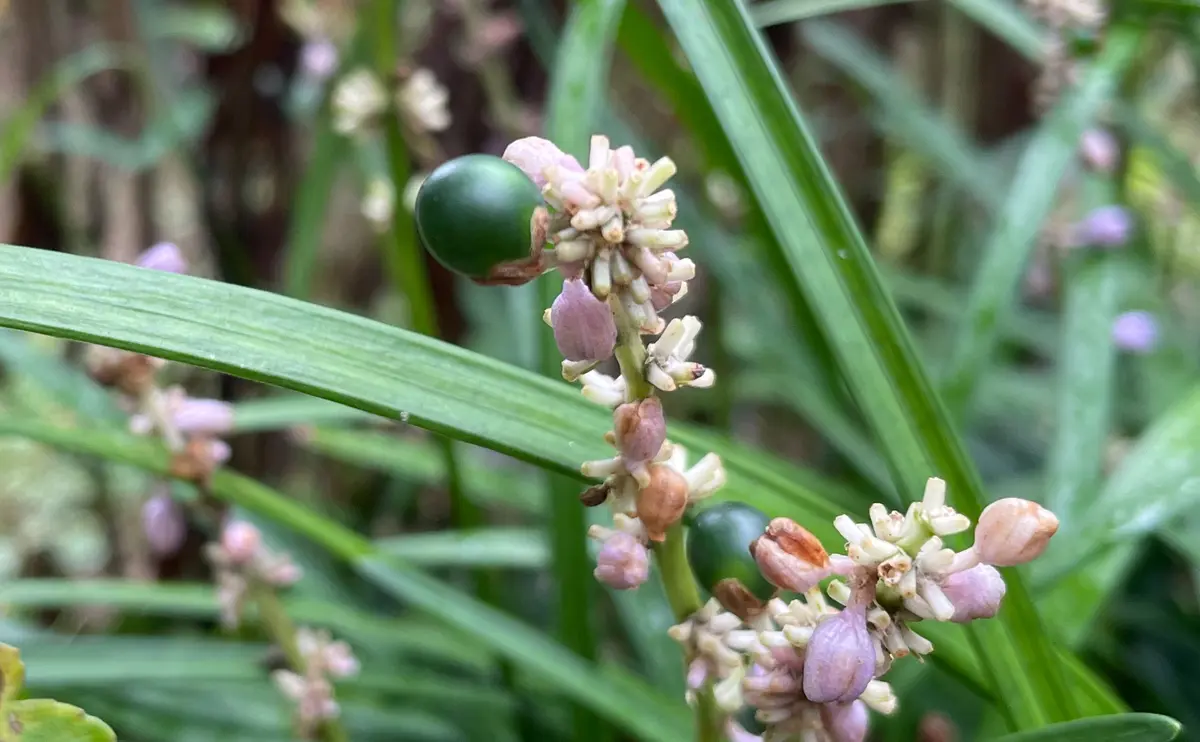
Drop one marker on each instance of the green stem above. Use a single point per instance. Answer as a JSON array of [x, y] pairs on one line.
[[279, 627], [671, 554]]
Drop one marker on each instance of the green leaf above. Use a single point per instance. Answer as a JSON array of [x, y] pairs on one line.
[[1005, 19], [207, 27], [287, 410], [775, 12], [1119, 728], [630, 704], [43, 720], [485, 547], [830, 262], [40, 720], [904, 115], [306, 228], [1031, 197]]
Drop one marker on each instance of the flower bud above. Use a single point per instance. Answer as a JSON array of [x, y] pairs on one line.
[[845, 722], [1106, 226], [660, 504], [1099, 150], [1136, 332], [319, 59], [241, 541], [840, 658], [163, 256], [975, 592], [1013, 531], [203, 416], [663, 296], [640, 429], [622, 562], [534, 155], [164, 524], [584, 329], [790, 557]]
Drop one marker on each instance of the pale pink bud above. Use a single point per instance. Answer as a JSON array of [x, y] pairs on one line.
[[241, 541], [217, 451], [845, 722], [1136, 332], [640, 429], [1099, 150], [663, 296], [697, 674], [340, 660], [622, 563], [203, 416], [840, 658], [533, 155], [975, 592], [164, 524], [280, 571], [1013, 531], [319, 58], [790, 557], [164, 256], [584, 329], [1105, 226]]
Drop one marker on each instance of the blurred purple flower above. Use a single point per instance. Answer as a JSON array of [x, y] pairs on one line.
[[319, 59], [1099, 150], [1135, 332], [164, 524], [1105, 226], [163, 256]]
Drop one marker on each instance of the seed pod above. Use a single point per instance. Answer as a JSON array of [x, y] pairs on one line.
[[584, 329], [1013, 531], [840, 658], [790, 557], [974, 593], [640, 428], [660, 505], [483, 218], [718, 549]]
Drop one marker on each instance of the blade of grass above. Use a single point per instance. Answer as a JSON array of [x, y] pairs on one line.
[[830, 262], [1008, 22], [523, 548], [578, 85], [629, 704], [1031, 197], [306, 227], [1119, 728], [776, 12]]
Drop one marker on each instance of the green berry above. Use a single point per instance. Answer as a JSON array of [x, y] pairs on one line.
[[483, 218], [718, 549]]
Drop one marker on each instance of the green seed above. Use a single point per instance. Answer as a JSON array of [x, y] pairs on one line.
[[477, 215], [718, 548]]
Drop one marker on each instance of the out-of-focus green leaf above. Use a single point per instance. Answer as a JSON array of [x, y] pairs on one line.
[[486, 547], [43, 720], [1030, 200], [307, 225], [1007, 21], [1118, 728], [829, 261], [211, 28], [904, 115], [288, 410], [631, 704], [775, 12]]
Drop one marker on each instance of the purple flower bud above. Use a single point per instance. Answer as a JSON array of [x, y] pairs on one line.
[[1106, 226], [845, 722], [535, 155], [1013, 531], [622, 563], [1099, 150], [241, 541], [698, 673], [975, 592], [319, 58], [203, 416], [164, 524], [1136, 332], [840, 659], [164, 256], [640, 430], [583, 325]]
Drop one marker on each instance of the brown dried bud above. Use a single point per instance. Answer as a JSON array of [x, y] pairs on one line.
[[1013, 531], [640, 429], [131, 373], [790, 557], [595, 495], [738, 599], [660, 504]]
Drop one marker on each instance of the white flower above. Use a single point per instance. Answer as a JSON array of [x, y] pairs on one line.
[[357, 100], [423, 99], [379, 203], [667, 365]]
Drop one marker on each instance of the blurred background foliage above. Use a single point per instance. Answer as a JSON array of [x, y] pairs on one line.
[[209, 124]]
